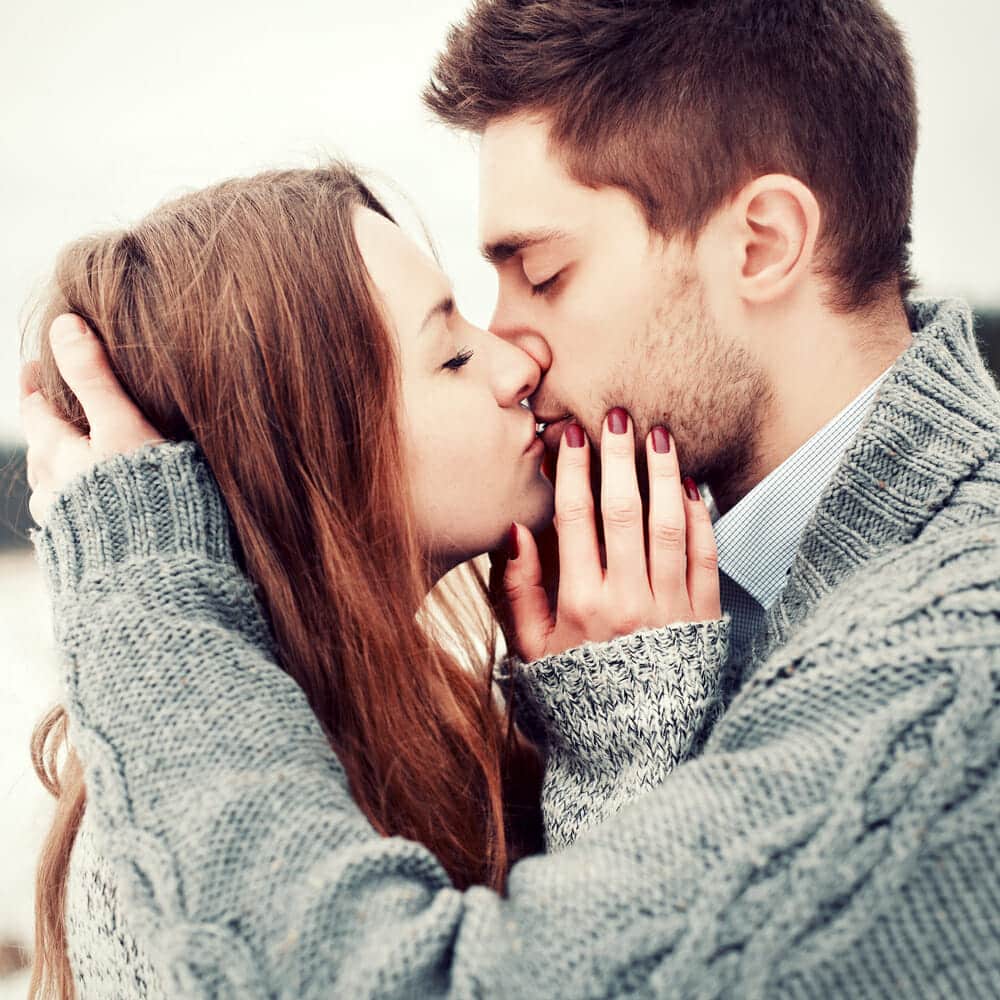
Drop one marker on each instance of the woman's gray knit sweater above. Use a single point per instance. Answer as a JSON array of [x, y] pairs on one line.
[[837, 835]]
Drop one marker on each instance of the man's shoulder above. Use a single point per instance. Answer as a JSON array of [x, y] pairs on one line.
[[945, 584], [974, 499], [912, 628]]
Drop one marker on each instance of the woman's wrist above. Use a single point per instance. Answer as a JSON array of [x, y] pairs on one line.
[[625, 695], [159, 500]]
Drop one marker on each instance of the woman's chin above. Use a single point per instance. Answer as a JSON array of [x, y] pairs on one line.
[[534, 512], [543, 514], [536, 507]]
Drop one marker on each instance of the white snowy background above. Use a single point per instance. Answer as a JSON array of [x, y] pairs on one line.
[[111, 106]]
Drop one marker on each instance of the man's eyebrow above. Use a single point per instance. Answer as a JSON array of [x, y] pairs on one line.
[[513, 243], [442, 308]]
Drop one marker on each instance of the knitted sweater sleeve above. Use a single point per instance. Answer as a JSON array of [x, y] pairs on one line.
[[615, 717], [821, 843]]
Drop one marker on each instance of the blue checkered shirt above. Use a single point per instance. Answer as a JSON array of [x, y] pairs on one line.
[[757, 539]]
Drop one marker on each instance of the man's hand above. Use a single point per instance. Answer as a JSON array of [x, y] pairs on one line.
[[57, 451]]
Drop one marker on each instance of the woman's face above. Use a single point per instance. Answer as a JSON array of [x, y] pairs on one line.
[[473, 460]]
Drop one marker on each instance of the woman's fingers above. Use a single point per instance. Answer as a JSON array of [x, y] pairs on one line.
[[57, 451], [116, 424], [579, 556], [621, 508], [529, 614], [39, 504], [702, 556], [29, 379], [667, 527], [47, 434]]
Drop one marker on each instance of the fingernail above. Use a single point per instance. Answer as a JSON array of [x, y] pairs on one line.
[[618, 421], [574, 435], [691, 488], [513, 551], [65, 327], [661, 440]]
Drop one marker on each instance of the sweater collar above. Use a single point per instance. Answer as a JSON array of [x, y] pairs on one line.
[[934, 421]]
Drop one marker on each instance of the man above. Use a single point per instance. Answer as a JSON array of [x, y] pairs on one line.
[[698, 211], [701, 212]]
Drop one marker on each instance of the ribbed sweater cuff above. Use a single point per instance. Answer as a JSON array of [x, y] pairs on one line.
[[159, 500], [606, 697]]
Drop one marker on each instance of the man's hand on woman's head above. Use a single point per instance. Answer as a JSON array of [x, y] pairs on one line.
[[57, 451], [658, 570]]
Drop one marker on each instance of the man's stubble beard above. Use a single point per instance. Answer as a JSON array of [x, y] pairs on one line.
[[682, 372]]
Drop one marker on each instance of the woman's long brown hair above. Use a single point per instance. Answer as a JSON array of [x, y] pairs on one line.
[[242, 317]]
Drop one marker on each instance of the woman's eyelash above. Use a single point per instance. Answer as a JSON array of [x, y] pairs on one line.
[[459, 360], [545, 286]]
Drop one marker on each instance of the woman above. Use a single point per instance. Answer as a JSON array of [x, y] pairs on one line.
[[365, 440]]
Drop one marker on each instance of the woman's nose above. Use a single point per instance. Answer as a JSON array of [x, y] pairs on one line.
[[508, 325], [515, 372]]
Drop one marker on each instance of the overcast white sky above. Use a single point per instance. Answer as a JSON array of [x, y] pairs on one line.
[[110, 106]]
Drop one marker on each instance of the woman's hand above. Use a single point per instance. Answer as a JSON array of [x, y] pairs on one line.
[[57, 451], [671, 579]]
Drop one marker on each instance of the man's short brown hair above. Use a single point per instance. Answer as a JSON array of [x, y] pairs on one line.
[[682, 103]]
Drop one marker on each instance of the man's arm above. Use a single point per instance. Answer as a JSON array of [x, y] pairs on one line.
[[838, 835], [806, 836]]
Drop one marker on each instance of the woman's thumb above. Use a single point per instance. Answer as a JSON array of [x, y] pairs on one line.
[[530, 615]]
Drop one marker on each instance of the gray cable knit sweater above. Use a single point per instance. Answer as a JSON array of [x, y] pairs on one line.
[[837, 835], [616, 718]]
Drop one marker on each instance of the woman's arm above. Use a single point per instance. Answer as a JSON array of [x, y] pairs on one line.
[[243, 863], [616, 717]]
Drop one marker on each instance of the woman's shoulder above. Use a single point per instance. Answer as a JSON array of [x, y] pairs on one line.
[[106, 959]]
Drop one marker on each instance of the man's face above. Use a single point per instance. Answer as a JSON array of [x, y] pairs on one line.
[[614, 314]]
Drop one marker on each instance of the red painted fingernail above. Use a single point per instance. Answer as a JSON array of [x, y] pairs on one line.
[[661, 440], [574, 435], [691, 488], [512, 547], [618, 421]]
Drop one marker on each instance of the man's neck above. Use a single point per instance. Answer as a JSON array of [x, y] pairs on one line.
[[813, 379]]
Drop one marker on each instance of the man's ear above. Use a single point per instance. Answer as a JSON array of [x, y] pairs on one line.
[[778, 219]]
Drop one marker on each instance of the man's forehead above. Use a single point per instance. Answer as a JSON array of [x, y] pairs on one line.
[[524, 192], [514, 142]]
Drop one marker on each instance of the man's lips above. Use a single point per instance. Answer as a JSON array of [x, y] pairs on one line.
[[553, 432]]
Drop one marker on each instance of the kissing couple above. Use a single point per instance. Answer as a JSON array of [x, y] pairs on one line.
[[749, 758]]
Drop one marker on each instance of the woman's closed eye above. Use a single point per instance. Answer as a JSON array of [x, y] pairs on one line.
[[460, 360], [544, 287]]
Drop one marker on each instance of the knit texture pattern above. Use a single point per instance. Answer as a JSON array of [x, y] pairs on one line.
[[615, 718], [836, 836]]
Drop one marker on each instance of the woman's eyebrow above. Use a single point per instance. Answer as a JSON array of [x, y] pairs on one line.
[[498, 251], [442, 308]]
